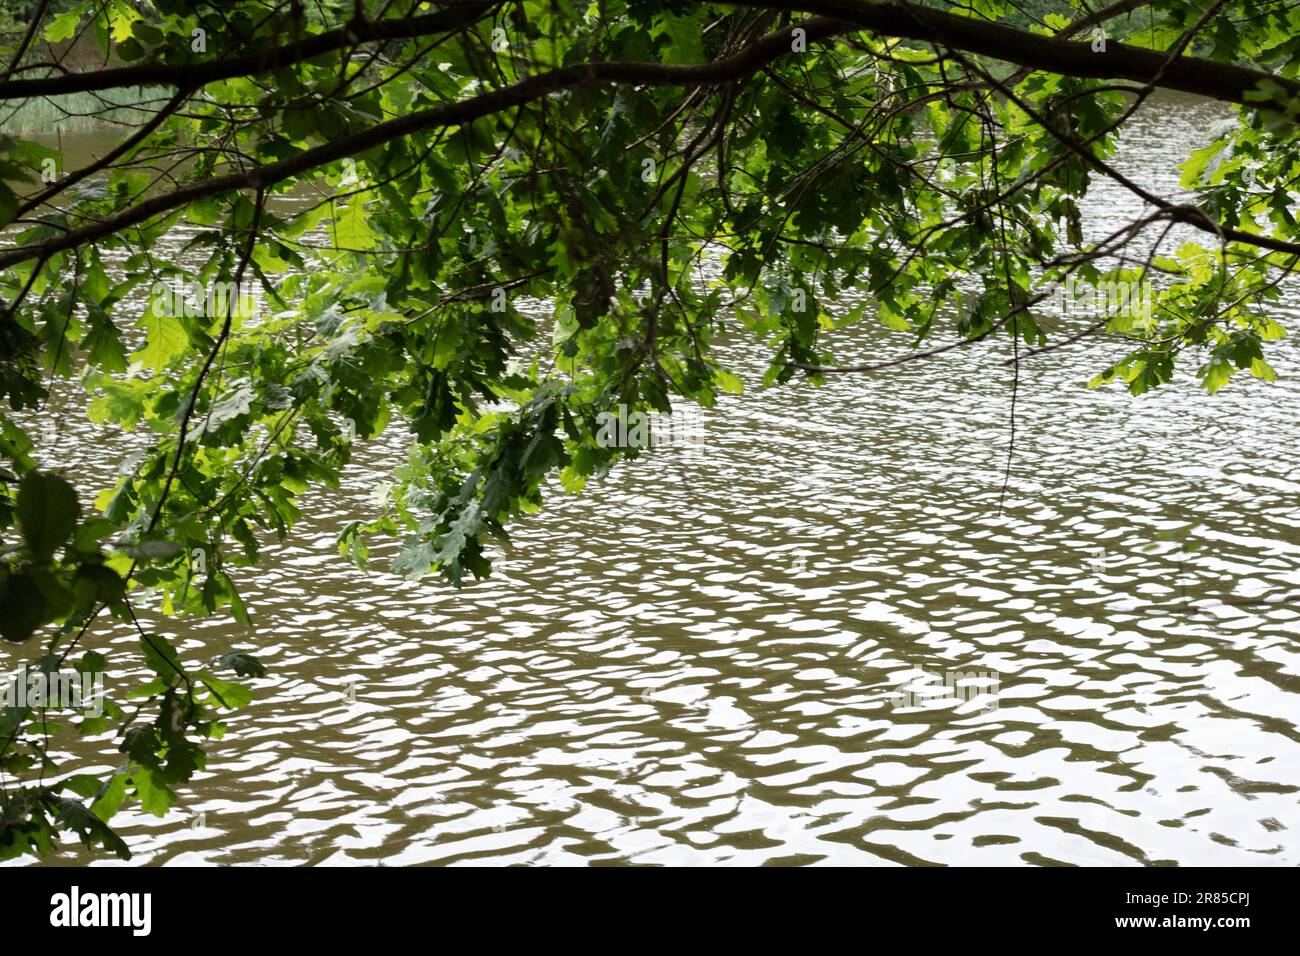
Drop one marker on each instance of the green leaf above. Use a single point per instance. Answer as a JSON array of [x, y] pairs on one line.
[[48, 512], [165, 340], [245, 665], [686, 44], [232, 404], [352, 227], [123, 402], [729, 383], [82, 784], [152, 790], [92, 662], [63, 27], [8, 205], [111, 797], [22, 607], [162, 658], [76, 817], [227, 694]]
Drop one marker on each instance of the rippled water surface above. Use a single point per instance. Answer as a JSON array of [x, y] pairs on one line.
[[700, 660]]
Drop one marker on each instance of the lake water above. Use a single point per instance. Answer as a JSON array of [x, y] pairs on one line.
[[808, 638]]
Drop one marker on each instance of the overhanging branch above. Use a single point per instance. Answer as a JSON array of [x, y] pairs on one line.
[[1220, 81], [195, 75], [748, 61], [848, 15]]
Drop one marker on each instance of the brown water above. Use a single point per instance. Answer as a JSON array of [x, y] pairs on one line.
[[699, 660]]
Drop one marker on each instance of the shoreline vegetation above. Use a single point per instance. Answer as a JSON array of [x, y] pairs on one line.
[[82, 112], [75, 112]]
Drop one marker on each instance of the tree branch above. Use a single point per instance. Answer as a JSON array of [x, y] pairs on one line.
[[194, 75], [971, 35], [1220, 81], [532, 88]]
